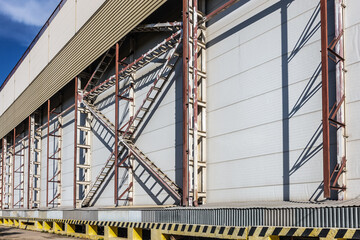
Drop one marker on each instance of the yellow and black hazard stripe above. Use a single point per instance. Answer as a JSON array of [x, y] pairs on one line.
[[228, 232], [212, 231], [256, 232]]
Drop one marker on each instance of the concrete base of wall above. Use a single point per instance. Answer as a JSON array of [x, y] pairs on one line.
[[328, 222]]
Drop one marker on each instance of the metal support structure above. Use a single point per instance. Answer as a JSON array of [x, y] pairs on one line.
[[116, 143], [340, 97], [2, 161], [132, 111], [128, 158], [194, 94], [194, 99], [76, 114], [325, 98], [35, 160], [166, 50], [30, 149], [82, 147], [19, 170], [8, 162], [185, 96], [13, 169], [335, 115], [54, 130]]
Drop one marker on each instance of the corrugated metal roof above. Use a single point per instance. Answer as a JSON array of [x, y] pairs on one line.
[[109, 24]]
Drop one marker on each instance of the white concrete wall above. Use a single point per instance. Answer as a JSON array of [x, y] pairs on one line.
[[70, 18], [352, 65], [260, 140]]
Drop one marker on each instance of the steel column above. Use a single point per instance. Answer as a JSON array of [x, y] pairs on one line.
[[340, 97], [195, 99], [2, 173], [325, 98], [75, 141], [116, 144], [185, 165], [13, 170], [28, 166], [47, 153]]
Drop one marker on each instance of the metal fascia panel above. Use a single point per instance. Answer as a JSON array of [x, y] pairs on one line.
[[109, 24]]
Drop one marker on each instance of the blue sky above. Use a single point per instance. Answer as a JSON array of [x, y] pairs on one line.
[[20, 21]]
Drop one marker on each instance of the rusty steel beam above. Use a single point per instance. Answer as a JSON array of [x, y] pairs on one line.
[[13, 171], [195, 100], [116, 123], [2, 172], [75, 140], [185, 164], [48, 153], [29, 161], [325, 98]]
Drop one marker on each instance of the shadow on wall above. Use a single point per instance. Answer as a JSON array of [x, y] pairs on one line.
[[312, 87], [106, 137]]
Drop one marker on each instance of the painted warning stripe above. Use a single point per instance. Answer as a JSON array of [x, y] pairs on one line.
[[256, 232], [227, 232], [224, 232]]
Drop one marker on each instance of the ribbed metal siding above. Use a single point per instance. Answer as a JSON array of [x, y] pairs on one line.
[[109, 24], [332, 217]]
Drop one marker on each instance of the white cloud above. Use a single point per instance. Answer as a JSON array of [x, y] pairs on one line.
[[29, 12]]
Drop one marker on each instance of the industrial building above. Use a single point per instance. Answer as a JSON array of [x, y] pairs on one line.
[[192, 119]]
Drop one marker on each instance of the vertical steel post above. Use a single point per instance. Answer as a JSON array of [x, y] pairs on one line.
[[116, 123], [340, 95], [195, 100], [2, 173], [29, 161], [325, 98], [185, 164], [132, 111], [76, 96], [48, 153], [13, 171]]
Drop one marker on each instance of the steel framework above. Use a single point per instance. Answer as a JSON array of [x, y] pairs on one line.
[[333, 116], [82, 152], [2, 174], [34, 169], [195, 69], [54, 173], [8, 158], [191, 33], [124, 148], [19, 170]]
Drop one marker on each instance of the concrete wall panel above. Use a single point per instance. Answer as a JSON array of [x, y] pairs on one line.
[[39, 55], [264, 103], [9, 93], [22, 77], [351, 15], [62, 28], [352, 42]]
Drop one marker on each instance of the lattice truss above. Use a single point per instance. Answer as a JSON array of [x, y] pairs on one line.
[[54, 154], [35, 133], [130, 113]]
